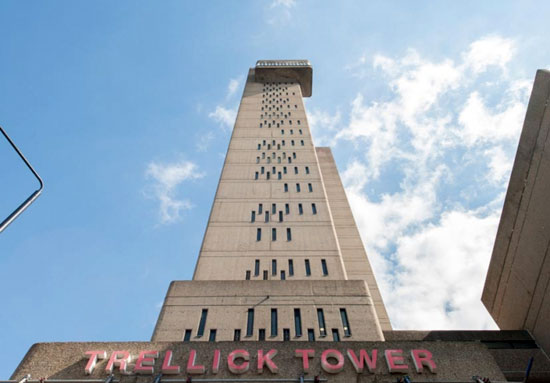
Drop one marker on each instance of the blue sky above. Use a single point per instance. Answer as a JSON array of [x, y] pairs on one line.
[[125, 109]]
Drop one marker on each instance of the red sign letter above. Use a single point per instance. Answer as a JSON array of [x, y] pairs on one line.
[[395, 361], [94, 356], [216, 362], [332, 368], [238, 368], [305, 354], [119, 359], [192, 368], [359, 364], [423, 358], [145, 362], [166, 367], [266, 359]]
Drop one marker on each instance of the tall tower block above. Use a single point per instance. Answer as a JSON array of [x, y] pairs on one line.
[[281, 258]]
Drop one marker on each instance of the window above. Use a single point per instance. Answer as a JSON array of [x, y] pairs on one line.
[[308, 267], [202, 323], [298, 122], [290, 267], [280, 216], [250, 323], [300, 209], [296, 170], [302, 142], [258, 160], [260, 208], [273, 208], [259, 146], [187, 335], [307, 169], [262, 170], [261, 334], [298, 322], [284, 169], [321, 319], [335, 335], [267, 176], [257, 267], [294, 155], [273, 234], [266, 216], [283, 132], [286, 334], [324, 266], [212, 337], [259, 234], [310, 335], [313, 208], [310, 187], [297, 188], [279, 175], [288, 234], [247, 276], [237, 335], [300, 131], [256, 176], [292, 142], [274, 324], [286, 188], [283, 275], [253, 216], [289, 160], [265, 275], [283, 142], [345, 322], [287, 208]]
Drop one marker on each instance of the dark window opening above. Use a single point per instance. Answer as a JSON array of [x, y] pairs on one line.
[[280, 216], [283, 275], [310, 335], [321, 319], [308, 267], [265, 275], [300, 209], [274, 325], [253, 216], [247, 276], [273, 234], [212, 337], [290, 267], [313, 208], [286, 334], [202, 323], [324, 266], [298, 322], [257, 267], [288, 234], [250, 323], [261, 334], [287, 208], [259, 234], [187, 335], [310, 187], [237, 335], [335, 335], [345, 322], [273, 267], [260, 207]]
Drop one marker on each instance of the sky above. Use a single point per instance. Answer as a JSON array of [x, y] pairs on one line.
[[126, 108]]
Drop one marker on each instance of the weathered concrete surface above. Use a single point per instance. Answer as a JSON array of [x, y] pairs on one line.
[[457, 361]]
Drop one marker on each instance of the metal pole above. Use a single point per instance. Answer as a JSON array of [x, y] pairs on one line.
[[31, 198]]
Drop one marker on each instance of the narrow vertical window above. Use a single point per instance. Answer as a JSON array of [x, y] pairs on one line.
[[273, 208], [298, 322], [267, 216], [212, 337], [250, 323], [292, 142], [280, 216], [307, 169], [267, 175], [321, 319], [256, 176], [274, 325], [313, 208], [257, 267], [273, 234], [284, 169], [237, 335], [253, 216], [297, 188], [273, 267], [286, 334], [259, 234], [294, 155], [247, 275], [302, 142], [296, 170], [324, 266], [286, 188], [279, 175], [259, 147], [310, 187], [335, 335], [300, 131], [187, 335], [257, 160], [283, 275], [290, 267], [261, 334], [265, 275], [287, 208], [288, 234], [202, 323], [310, 335], [260, 208], [345, 322], [262, 170], [308, 267], [300, 209]]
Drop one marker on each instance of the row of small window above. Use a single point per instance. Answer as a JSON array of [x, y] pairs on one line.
[[274, 154], [279, 160], [269, 108], [277, 125], [287, 211], [279, 174], [284, 102], [275, 327], [273, 234], [307, 268], [282, 143], [274, 94]]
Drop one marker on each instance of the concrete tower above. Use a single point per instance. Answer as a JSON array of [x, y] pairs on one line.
[[281, 258]]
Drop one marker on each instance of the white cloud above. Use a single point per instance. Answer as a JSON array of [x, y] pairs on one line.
[[489, 51], [283, 3], [204, 141], [233, 86], [279, 12], [166, 178], [428, 174], [224, 116], [322, 126]]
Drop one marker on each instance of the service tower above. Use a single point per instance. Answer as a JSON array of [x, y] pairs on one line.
[[281, 258]]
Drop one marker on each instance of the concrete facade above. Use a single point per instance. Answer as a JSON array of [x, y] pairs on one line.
[[280, 225], [517, 288]]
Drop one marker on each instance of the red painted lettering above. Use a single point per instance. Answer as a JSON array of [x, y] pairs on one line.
[[359, 363], [423, 358]]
